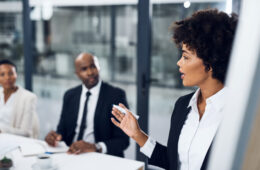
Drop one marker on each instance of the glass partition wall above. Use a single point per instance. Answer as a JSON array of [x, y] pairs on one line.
[[11, 35], [72, 30], [109, 32]]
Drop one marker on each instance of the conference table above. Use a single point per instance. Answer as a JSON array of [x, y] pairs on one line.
[[11, 144]]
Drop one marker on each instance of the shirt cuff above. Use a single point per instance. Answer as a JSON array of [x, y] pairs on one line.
[[103, 146], [148, 147]]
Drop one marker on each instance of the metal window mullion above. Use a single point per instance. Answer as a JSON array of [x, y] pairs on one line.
[[27, 45], [143, 67]]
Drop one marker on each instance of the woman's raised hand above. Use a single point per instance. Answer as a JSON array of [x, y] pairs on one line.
[[126, 122], [129, 125]]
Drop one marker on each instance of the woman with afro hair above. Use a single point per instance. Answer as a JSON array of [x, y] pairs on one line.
[[205, 40]]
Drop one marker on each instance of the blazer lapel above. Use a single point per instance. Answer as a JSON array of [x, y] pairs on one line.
[[177, 123], [74, 112], [99, 106], [184, 117]]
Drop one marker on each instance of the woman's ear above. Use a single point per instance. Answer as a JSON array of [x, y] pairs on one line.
[[208, 68]]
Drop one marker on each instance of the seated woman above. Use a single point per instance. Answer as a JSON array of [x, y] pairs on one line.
[[206, 41], [17, 105]]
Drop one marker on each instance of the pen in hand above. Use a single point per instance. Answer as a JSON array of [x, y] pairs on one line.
[[124, 111]]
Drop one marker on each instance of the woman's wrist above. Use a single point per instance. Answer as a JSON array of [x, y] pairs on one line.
[[140, 137]]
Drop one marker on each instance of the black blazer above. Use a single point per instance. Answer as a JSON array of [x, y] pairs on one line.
[[167, 157], [104, 131]]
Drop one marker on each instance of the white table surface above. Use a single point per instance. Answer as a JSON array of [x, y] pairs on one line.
[[64, 161]]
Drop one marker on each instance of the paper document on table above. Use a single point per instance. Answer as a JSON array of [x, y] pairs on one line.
[[61, 147], [5, 148], [7, 145], [38, 147]]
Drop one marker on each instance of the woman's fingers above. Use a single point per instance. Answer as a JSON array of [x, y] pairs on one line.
[[127, 111], [123, 106], [118, 114], [115, 122], [118, 117]]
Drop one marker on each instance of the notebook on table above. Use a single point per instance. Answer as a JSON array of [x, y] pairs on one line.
[[39, 147]]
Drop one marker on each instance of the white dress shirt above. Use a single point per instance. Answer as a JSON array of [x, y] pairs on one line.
[[88, 135], [196, 135], [6, 109]]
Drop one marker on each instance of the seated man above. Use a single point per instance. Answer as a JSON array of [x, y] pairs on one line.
[[85, 123]]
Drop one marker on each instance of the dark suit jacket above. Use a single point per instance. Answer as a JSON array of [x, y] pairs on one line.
[[104, 131], [167, 157]]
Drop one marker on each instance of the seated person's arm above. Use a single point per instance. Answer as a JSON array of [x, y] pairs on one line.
[[81, 147], [53, 138]]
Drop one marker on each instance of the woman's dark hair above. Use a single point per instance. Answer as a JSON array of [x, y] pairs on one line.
[[5, 61], [210, 34]]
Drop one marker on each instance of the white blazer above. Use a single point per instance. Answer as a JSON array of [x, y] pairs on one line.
[[24, 119]]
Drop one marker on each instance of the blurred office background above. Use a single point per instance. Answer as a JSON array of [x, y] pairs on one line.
[[60, 30]]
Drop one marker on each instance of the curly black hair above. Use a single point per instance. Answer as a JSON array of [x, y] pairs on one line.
[[6, 61], [210, 34]]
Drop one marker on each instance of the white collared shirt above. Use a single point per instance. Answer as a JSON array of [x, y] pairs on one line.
[[196, 135], [88, 135], [6, 109]]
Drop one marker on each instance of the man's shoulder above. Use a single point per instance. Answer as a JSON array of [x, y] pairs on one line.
[[73, 90], [110, 88]]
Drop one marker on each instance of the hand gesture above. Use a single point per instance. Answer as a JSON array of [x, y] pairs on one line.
[[129, 125]]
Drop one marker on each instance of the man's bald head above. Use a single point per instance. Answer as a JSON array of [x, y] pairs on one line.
[[87, 69], [87, 56]]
